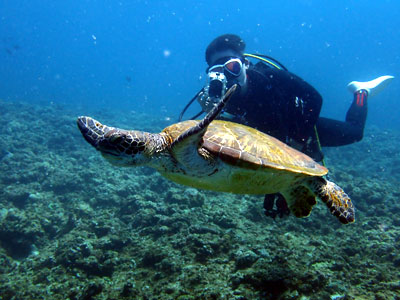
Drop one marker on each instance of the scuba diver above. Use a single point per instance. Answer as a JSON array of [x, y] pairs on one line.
[[279, 103]]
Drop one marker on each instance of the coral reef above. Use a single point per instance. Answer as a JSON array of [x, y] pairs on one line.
[[74, 227]]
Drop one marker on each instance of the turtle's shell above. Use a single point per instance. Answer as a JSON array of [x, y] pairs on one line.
[[246, 147]]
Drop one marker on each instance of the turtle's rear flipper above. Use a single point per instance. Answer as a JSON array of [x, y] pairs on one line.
[[335, 198], [300, 201]]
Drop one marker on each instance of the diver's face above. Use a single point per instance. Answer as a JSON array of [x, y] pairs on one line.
[[233, 69], [229, 70], [224, 73]]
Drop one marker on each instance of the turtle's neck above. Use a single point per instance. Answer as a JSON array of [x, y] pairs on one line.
[[157, 148], [157, 143]]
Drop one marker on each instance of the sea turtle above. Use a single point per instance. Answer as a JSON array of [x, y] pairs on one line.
[[225, 157]]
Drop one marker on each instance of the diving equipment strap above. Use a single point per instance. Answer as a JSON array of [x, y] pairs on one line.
[[187, 106], [272, 62]]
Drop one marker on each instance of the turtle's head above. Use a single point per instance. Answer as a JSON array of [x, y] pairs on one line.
[[120, 147]]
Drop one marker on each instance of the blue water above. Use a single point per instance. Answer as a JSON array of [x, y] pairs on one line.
[[149, 55]]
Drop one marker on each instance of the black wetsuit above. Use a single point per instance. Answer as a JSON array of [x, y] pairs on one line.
[[283, 105]]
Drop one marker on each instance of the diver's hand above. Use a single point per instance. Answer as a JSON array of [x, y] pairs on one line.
[[202, 99], [205, 101]]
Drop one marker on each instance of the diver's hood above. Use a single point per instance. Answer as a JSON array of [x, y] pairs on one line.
[[222, 54]]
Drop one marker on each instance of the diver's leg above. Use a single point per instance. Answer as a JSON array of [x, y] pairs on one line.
[[269, 203], [274, 205], [338, 133], [281, 206], [357, 113]]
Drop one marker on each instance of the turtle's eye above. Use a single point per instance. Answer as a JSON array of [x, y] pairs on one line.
[[116, 139]]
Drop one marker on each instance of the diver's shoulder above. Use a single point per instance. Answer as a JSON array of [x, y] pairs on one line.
[[269, 73], [260, 74]]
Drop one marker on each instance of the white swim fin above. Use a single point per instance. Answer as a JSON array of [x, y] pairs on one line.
[[373, 87]]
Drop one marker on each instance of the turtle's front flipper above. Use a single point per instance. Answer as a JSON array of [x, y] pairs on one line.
[[335, 198], [186, 144], [201, 127]]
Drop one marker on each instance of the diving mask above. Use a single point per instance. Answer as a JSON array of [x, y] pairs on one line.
[[231, 68], [217, 82]]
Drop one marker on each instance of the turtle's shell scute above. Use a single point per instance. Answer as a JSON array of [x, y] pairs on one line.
[[246, 147]]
